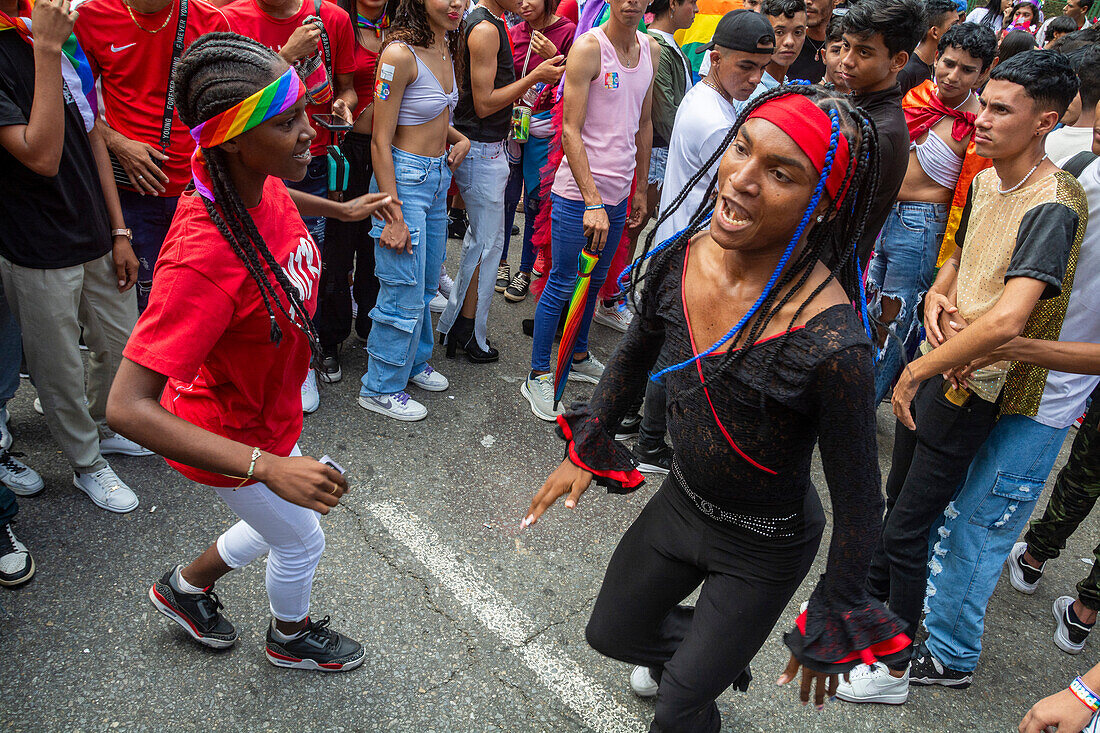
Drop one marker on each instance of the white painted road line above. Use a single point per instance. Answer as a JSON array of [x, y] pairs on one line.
[[554, 668]]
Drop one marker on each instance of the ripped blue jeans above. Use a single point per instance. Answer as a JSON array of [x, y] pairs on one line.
[[400, 341], [902, 269], [980, 526]]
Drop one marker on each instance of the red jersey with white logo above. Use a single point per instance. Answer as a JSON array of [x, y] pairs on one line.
[[132, 66], [207, 330], [247, 18]]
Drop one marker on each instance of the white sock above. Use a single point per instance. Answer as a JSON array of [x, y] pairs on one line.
[[182, 585], [280, 636]]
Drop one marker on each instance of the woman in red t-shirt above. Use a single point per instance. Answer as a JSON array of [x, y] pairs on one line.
[[211, 372]]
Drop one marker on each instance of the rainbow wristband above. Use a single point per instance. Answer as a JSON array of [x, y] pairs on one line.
[[1082, 692]]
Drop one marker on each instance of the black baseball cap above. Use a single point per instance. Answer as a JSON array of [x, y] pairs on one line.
[[743, 30]]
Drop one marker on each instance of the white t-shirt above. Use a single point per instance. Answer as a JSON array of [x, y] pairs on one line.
[[975, 16], [702, 121], [1066, 142], [1064, 395], [1041, 36]]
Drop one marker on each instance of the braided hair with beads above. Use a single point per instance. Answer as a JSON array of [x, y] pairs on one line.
[[218, 71], [832, 239]]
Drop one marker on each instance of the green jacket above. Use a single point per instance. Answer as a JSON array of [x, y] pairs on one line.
[[669, 87]]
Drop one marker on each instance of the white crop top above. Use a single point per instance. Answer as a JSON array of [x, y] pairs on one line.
[[424, 98], [938, 160]]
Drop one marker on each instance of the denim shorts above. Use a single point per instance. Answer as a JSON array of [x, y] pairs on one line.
[[658, 159]]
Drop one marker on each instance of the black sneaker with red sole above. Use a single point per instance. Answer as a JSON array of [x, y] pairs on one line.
[[199, 614], [319, 648]]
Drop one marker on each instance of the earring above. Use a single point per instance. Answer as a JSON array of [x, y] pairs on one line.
[[820, 218]]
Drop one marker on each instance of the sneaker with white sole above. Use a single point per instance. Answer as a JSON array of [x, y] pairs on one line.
[[5, 432], [116, 444], [874, 683], [445, 283], [429, 380], [107, 490], [199, 614], [317, 647], [504, 277], [590, 370], [438, 304], [927, 670], [1070, 632], [398, 405], [642, 682], [517, 290], [16, 563], [539, 392], [311, 398], [1023, 577], [616, 316], [20, 478]]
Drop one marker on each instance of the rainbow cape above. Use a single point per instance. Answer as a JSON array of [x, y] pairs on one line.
[[75, 69]]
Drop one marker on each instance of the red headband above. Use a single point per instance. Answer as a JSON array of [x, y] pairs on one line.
[[811, 129]]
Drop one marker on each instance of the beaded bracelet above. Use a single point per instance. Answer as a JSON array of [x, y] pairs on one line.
[[1082, 692], [593, 207]]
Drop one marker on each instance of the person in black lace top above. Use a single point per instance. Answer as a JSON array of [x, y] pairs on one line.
[[738, 513]]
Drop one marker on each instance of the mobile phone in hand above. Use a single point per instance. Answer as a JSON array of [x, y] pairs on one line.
[[332, 123], [331, 463]]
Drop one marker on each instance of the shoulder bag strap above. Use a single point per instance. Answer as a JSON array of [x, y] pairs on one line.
[[1078, 163]]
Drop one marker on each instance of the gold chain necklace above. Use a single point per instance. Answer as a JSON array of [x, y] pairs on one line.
[[715, 87], [134, 18]]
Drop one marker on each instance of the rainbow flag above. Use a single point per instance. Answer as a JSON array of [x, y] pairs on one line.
[[75, 69], [702, 30]]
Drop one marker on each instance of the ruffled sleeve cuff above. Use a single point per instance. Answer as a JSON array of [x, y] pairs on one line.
[[591, 447], [834, 643]]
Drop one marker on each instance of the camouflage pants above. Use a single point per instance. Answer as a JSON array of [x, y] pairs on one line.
[[1075, 493]]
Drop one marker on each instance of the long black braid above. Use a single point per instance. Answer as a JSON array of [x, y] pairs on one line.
[[832, 241], [218, 71]]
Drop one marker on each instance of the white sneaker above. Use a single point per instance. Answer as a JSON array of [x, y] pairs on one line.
[[38, 406], [590, 370], [16, 563], [399, 406], [642, 682], [1023, 577], [438, 304], [311, 398], [430, 380], [617, 316], [5, 433], [539, 391], [1070, 633], [106, 489], [445, 283], [19, 477], [874, 684], [122, 446]]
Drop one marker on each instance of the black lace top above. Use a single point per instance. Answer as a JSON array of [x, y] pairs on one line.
[[745, 442]]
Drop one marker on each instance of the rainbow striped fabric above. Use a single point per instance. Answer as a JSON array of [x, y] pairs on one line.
[[702, 29], [75, 69]]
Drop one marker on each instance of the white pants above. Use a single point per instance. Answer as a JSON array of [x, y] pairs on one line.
[[289, 534]]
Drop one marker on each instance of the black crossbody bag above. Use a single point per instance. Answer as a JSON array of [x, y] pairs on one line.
[[121, 178]]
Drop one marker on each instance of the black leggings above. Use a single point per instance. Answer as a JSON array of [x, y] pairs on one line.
[[748, 579]]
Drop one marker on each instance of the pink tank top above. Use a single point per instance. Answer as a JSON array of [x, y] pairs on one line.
[[614, 105]]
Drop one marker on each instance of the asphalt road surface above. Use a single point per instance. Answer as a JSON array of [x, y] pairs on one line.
[[469, 624]]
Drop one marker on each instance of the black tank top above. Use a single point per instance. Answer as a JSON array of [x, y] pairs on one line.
[[494, 128]]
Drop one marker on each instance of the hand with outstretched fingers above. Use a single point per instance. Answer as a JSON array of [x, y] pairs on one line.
[[824, 685]]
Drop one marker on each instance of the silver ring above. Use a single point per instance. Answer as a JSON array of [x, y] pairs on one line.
[[141, 177]]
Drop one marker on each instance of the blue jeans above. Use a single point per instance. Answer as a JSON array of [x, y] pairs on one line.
[[902, 269], [566, 242], [11, 352], [400, 341], [531, 205], [316, 183], [149, 218], [980, 527], [481, 179]]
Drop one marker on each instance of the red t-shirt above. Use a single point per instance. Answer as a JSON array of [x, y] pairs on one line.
[[248, 19], [132, 67], [365, 63], [207, 330]]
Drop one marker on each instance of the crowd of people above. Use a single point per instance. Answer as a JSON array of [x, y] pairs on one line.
[[824, 208]]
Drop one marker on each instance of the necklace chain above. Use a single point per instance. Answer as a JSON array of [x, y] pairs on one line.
[[140, 27], [1023, 180], [715, 87]]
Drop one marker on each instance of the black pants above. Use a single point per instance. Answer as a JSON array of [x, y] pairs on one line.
[[926, 469], [348, 244], [747, 581]]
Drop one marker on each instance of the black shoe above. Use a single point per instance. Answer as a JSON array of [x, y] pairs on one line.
[[504, 277], [457, 223], [462, 331], [515, 230], [629, 427], [16, 563], [657, 460], [517, 289], [328, 370], [477, 355], [197, 613], [319, 647], [926, 670], [528, 325]]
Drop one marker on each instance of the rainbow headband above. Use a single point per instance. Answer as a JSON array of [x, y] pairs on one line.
[[274, 99]]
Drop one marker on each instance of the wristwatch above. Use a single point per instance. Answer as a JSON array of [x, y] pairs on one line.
[[128, 233]]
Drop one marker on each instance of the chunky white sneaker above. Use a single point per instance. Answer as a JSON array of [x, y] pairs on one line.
[[399, 406], [874, 684], [430, 380], [16, 563], [1023, 577], [1070, 633], [119, 445], [539, 391], [642, 682], [5, 433], [438, 304], [616, 316], [106, 489], [445, 282], [590, 370], [311, 398], [17, 476]]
